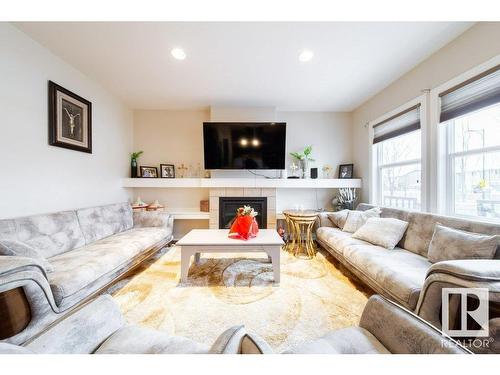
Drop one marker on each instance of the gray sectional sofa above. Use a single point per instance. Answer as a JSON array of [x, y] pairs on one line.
[[398, 274], [71, 256]]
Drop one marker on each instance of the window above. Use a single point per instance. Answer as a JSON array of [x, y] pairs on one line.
[[397, 146], [470, 113], [473, 163]]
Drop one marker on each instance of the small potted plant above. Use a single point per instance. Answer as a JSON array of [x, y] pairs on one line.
[[133, 163], [304, 158]]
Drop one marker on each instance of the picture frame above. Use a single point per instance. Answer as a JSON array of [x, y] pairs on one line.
[[70, 119], [149, 172], [167, 170], [346, 170]]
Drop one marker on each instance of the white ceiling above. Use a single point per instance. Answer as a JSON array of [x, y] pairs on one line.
[[244, 64]]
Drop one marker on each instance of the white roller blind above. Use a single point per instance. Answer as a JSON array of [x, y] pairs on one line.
[[476, 93], [401, 123]]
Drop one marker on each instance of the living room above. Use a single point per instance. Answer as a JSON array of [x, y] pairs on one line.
[[190, 186]]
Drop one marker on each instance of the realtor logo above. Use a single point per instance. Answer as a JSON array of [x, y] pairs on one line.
[[469, 320]]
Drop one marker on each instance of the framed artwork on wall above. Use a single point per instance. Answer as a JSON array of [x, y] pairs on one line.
[[167, 171], [149, 172], [70, 119], [346, 170]]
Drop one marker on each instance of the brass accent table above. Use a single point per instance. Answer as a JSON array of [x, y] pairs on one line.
[[299, 224]]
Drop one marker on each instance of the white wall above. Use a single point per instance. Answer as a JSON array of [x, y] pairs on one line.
[[36, 177], [475, 46]]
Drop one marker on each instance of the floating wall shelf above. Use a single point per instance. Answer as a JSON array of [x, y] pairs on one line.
[[320, 183]]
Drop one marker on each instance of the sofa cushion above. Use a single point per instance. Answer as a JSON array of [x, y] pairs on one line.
[[454, 244], [142, 340], [336, 239], [352, 340], [20, 249], [398, 272], [92, 266], [49, 234], [385, 232], [338, 218], [355, 219], [104, 221]]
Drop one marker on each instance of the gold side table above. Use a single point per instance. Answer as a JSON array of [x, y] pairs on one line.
[[300, 224]]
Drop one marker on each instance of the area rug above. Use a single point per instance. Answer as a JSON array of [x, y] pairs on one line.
[[313, 298]]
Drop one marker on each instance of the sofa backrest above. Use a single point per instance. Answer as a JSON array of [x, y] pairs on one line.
[[103, 221], [49, 234], [421, 227]]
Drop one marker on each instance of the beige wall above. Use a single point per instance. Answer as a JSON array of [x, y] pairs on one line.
[[475, 46], [36, 177]]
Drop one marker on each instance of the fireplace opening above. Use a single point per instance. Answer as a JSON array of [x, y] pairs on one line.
[[229, 205]]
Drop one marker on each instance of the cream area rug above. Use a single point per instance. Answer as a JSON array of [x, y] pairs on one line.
[[313, 298]]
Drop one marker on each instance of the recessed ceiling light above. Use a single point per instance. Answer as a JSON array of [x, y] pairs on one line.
[[306, 55], [178, 53]]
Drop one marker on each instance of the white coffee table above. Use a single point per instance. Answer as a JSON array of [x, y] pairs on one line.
[[216, 241]]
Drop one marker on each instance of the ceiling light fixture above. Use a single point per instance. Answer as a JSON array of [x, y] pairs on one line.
[[178, 53], [306, 55], [243, 142], [255, 142]]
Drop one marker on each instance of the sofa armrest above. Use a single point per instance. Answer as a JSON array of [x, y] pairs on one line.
[[10, 264], [324, 221], [403, 332], [153, 219], [473, 270], [469, 273], [81, 331]]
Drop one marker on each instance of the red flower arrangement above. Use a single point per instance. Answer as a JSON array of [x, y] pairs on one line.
[[244, 225]]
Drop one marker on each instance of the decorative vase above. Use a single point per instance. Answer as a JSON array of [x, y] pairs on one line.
[[133, 168], [304, 168]]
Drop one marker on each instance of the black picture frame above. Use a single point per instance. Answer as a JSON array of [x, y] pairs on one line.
[[346, 171], [170, 167], [58, 98], [144, 168]]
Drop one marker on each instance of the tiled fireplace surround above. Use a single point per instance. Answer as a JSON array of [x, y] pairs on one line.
[[269, 193]]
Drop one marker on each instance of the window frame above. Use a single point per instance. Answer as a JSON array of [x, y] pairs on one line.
[[451, 156], [441, 185], [375, 157]]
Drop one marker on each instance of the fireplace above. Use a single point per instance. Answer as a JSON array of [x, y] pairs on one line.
[[229, 205]]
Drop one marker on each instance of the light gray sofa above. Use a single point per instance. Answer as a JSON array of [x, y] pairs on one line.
[[70, 256], [398, 274]]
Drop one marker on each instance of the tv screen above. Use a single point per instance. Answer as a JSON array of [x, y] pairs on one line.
[[237, 145]]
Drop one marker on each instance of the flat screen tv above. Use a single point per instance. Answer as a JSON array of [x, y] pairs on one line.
[[244, 145]]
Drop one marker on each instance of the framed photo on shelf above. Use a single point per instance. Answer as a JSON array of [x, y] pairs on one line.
[[149, 172], [70, 119], [346, 170], [167, 171]]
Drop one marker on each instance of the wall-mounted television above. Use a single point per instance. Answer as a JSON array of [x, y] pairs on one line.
[[244, 145]]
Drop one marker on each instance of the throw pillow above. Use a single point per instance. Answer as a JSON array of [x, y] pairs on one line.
[[338, 218], [355, 219], [453, 244], [382, 232], [18, 248]]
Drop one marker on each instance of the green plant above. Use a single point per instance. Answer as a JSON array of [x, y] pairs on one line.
[[305, 155], [135, 155]]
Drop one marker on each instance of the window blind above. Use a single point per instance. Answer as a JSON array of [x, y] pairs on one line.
[[475, 93], [401, 123]]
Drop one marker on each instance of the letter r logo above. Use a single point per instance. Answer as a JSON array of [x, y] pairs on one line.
[[477, 314]]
